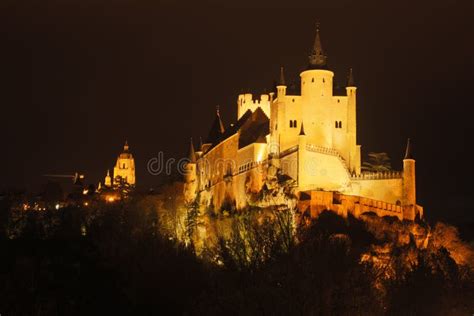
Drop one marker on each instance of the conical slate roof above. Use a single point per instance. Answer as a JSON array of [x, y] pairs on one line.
[[254, 129], [317, 58], [302, 130], [350, 79], [408, 151], [191, 154], [281, 82], [216, 131]]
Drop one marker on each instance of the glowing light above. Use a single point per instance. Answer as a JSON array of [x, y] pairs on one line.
[[86, 203], [83, 230], [110, 199], [56, 206]]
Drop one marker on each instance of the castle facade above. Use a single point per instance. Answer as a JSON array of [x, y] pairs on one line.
[[311, 137]]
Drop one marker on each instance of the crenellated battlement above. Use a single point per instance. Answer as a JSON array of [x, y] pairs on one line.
[[378, 175], [246, 102], [344, 204]]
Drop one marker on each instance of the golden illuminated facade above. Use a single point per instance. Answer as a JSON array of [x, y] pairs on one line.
[[124, 170], [311, 136]]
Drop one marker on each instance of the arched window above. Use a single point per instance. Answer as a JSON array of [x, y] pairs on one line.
[[291, 123], [312, 79], [337, 125], [123, 166], [340, 124], [324, 80], [294, 124]]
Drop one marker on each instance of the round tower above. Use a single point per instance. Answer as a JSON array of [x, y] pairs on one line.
[[316, 81], [316, 95], [281, 86], [190, 175], [409, 184], [302, 162], [354, 152]]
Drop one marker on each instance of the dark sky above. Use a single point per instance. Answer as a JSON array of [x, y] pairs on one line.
[[79, 77]]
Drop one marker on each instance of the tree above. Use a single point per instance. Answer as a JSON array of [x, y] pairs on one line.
[[378, 162]]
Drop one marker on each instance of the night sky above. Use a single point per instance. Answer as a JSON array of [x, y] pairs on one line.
[[77, 78]]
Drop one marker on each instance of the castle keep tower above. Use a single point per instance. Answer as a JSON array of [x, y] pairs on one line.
[[124, 169]]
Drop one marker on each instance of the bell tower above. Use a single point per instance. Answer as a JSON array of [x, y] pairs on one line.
[[124, 169]]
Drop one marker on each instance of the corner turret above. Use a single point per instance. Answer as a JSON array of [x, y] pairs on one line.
[[354, 149], [190, 175], [409, 184], [192, 153], [302, 159], [281, 86]]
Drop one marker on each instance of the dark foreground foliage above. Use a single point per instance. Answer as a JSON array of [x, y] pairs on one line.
[[113, 260]]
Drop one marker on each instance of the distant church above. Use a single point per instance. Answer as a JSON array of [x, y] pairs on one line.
[[312, 138], [124, 170]]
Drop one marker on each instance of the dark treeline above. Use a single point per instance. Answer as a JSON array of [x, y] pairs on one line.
[[112, 259]]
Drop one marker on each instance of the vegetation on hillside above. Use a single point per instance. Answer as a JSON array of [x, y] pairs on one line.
[[137, 257]]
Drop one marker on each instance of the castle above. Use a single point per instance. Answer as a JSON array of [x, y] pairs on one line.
[[312, 138]]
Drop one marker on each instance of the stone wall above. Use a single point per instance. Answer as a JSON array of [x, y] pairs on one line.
[[346, 204]]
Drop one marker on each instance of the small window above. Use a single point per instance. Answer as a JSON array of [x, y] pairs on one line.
[[338, 100], [340, 124], [291, 123], [324, 80], [337, 125], [293, 100], [294, 124], [312, 79], [123, 166]]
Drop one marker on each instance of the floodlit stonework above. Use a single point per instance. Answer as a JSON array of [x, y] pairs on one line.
[[311, 136], [124, 170]]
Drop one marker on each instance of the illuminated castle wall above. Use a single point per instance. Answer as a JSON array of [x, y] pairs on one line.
[[311, 137]]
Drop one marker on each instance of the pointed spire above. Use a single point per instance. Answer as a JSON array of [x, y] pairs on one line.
[[281, 82], [221, 125], [408, 152], [192, 154], [217, 129], [302, 130], [350, 79], [108, 172], [317, 59], [200, 144], [125, 147]]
